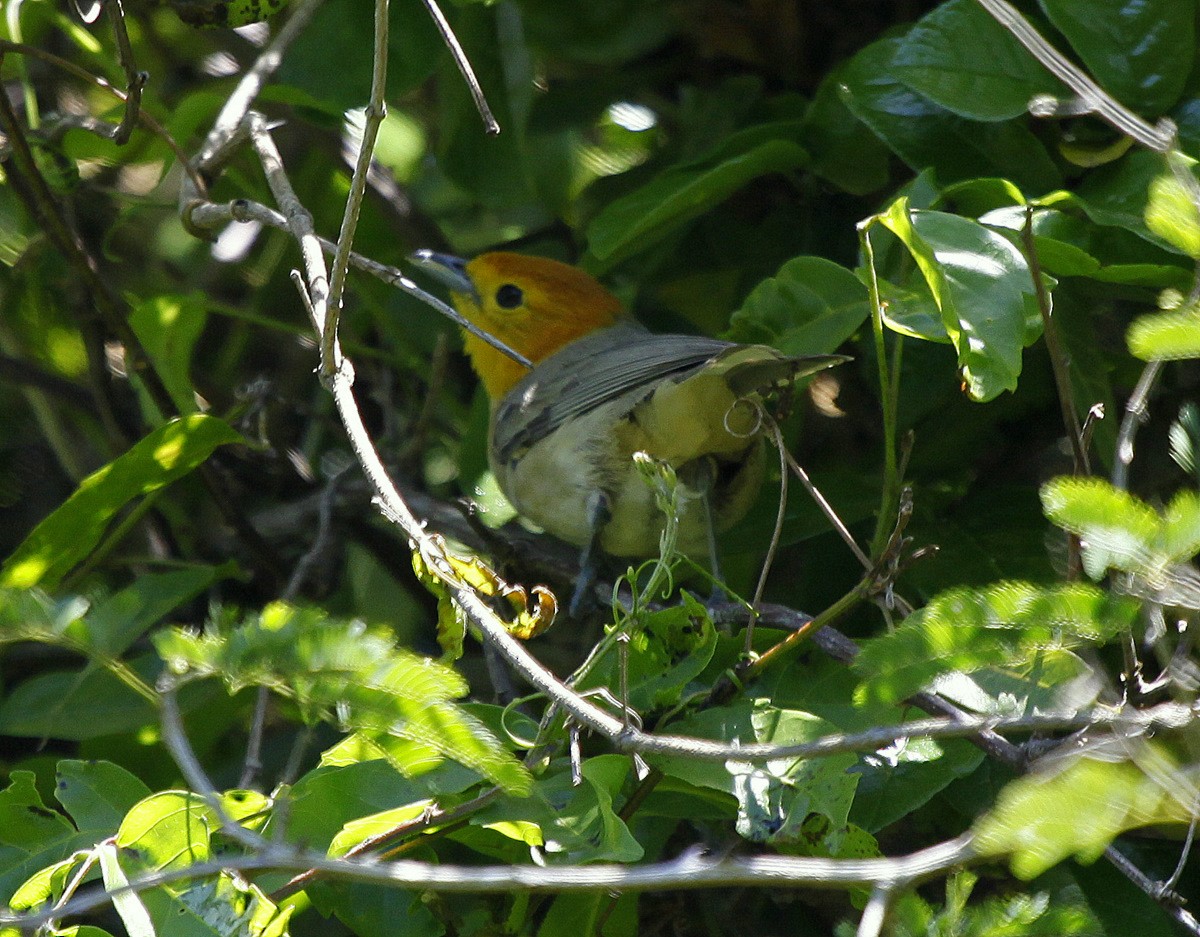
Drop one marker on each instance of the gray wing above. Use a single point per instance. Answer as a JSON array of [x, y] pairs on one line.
[[557, 391]]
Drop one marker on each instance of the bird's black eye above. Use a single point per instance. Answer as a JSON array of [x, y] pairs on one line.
[[509, 296]]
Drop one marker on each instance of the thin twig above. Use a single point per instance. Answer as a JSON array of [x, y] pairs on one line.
[[891, 475], [776, 531], [1135, 415], [1058, 356], [238, 104], [143, 117], [827, 509], [135, 81], [175, 739], [1144, 883], [202, 214], [490, 125], [373, 116]]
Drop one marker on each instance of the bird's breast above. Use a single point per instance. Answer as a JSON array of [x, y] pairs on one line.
[[552, 481]]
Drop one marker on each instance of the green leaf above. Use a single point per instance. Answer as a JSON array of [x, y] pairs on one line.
[[363, 828], [1118, 530], [168, 830], [223, 906], [376, 910], [636, 221], [115, 623], [810, 306], [1136, 785], [1181, 526], [168, 327], [570, 823], [1118, 194], [329, 797], [983, 289], [1172, 214], [959, 57], [906, 776], [1140, 52], [1185, 439], [1166, 336], [337, 33], [47, 884], [79, 705], [775, 799], [97, 794], [32, 836], [671, 649], [844, 150], [69, 534], [346, 671], [925, 135], [1001, 625]]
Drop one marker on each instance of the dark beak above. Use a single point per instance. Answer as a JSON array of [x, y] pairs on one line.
[[447, 269]]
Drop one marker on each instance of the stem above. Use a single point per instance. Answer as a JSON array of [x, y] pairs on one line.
[[373, 118], [887, 389]]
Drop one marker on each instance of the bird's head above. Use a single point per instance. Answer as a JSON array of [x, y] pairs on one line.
[[532, 304]]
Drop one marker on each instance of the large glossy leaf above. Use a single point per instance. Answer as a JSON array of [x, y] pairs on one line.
[[926, 135], [810, 306], [983, 288], [959, 57], [1141, 51]]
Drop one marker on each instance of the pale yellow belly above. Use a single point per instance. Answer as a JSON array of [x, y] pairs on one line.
[[552, 483]]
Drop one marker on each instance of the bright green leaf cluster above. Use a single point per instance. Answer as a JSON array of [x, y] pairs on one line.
[[1007, 624], [1118, 531], [347, 672]]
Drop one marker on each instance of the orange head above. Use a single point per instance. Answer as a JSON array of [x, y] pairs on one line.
[[532, 304]]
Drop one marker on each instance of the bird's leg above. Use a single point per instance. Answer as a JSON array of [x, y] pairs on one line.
[[598, 515]]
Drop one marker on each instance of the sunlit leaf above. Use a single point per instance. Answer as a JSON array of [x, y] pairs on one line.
[[1166, 336], [1172, 213], [1116, 529], [998, 625], [983, 288], [809, 306], [344, 670], [1036, 820], [69, 534]]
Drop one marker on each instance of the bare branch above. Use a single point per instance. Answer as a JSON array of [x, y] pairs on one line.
[[373, 117], [691, 870], [464, 66]]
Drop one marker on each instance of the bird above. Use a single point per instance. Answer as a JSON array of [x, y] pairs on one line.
[[562, 434]]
